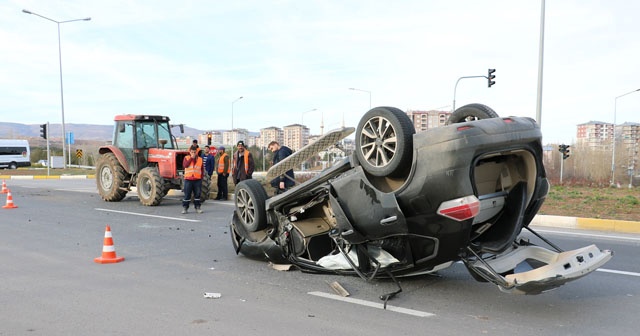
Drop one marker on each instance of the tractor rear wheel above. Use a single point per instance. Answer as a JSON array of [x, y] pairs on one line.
[[110, 178], [150, 186], [206, 187]]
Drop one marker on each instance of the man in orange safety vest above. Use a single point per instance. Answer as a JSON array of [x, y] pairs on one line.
[[193, 172], [223, 174]]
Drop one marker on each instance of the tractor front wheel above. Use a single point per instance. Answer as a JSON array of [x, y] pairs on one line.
[[150, 186]]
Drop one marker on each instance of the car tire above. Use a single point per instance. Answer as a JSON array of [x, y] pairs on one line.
[[250, 205], [384, 142], [471, 112]]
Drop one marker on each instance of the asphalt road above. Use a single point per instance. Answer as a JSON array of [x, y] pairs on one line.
[[50, 285]]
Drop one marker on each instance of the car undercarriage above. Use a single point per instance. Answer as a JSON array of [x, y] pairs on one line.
[[407, 204]]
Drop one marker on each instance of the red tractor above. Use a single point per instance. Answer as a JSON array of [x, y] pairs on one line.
[[143, 154]]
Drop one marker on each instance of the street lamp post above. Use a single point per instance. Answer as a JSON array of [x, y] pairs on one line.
[[232, 111], [613, 152], [540, 66], [369, 92], [303, 113], [64, 134]]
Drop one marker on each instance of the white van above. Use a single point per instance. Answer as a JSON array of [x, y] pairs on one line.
[[14, 154]]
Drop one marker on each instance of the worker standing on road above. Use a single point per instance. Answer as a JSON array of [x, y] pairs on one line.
[[243, 164], [223, 174], [284, 181], [193, 171], [209, 160]]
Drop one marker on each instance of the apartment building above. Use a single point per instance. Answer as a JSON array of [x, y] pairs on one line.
[[232, 137], [269, 134], [594, 134], [424, 120], [296, 136], [628, 134]]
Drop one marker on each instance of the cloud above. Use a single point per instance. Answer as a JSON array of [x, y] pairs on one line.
[[191, 61]]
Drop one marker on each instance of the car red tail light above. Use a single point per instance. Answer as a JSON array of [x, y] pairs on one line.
[[460, 209]]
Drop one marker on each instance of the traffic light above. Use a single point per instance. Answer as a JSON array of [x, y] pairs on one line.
[[491, 77], [43, 131], [564, 149], [209, 139]]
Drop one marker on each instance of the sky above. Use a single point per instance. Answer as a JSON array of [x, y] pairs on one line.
[[294, 61]]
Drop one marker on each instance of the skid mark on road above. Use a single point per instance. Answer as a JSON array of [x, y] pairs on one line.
[[373, 304], [147, 215]]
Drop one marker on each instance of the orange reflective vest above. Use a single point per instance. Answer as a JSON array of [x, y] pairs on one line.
[[221, 164], [246, 162], [194, 171]]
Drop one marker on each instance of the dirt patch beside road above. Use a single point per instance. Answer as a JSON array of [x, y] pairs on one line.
[[602, 203]]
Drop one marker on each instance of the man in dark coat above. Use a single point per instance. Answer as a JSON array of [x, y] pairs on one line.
[[286, 181], [243, 165]]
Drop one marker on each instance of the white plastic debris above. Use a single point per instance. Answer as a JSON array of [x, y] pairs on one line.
[[280, 267], [212, 295], [337, 261]]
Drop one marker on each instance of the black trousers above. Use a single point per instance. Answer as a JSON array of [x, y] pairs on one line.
[[222, 187]]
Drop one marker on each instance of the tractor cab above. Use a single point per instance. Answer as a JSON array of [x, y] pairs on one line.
[[135, 134]]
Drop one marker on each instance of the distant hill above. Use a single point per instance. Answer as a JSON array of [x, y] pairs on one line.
[[80, 131]]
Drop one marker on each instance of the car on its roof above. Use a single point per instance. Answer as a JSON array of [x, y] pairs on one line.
[[408, 203]]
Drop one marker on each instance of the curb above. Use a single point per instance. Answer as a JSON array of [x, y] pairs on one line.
[[45, 177], [580, 223]]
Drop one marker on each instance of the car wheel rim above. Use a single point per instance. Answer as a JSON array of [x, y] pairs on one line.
[[378, 141], [245, 207]]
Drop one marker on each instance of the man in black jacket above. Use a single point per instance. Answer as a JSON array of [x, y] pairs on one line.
[[286, 181]]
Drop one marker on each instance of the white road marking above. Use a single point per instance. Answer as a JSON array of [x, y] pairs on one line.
[[618, 272], [146, 215], [595, 235], [373, 304], [78, 190], [605, 270]]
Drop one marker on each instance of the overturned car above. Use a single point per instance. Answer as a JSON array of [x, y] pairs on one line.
[[408, 204]]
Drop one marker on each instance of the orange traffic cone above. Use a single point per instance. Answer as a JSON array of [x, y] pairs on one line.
[[10, 204], [108, 251], [4, 188]]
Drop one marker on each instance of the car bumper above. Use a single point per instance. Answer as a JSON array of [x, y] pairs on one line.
[[557, 269]]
